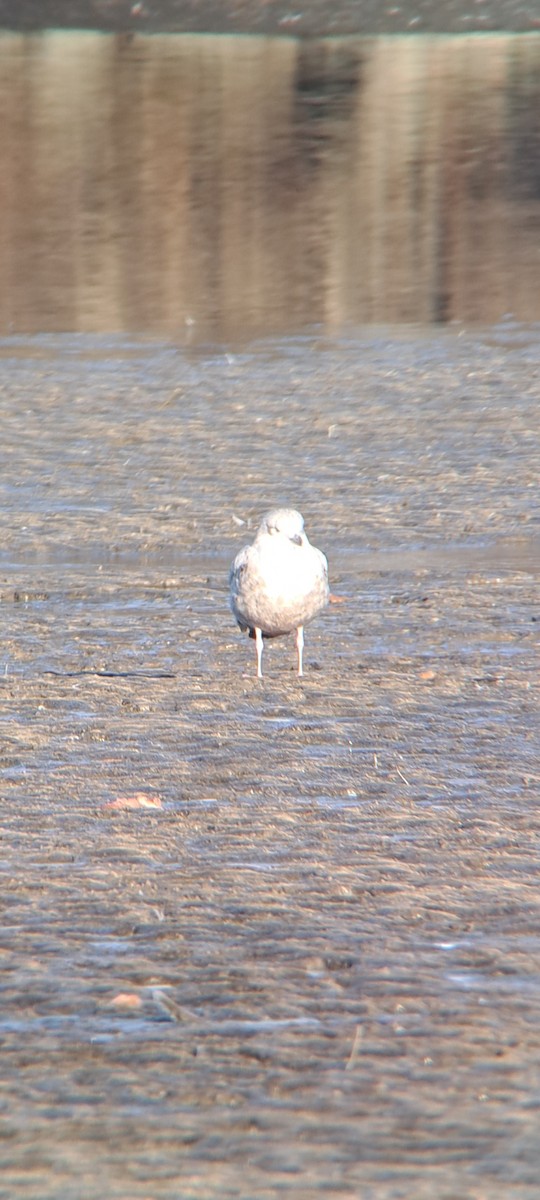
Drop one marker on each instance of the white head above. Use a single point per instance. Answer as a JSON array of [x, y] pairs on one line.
[[285, 522]]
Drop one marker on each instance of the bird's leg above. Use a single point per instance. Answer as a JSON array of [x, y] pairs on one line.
[[260, 646], [300, 647]]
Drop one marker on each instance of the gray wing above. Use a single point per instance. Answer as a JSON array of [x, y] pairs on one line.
[[236, 576], [324, 564], [238, 567]]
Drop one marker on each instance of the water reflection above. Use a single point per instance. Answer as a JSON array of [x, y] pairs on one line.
[[201, 186]]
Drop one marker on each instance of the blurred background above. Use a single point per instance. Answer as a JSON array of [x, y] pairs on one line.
[[213, 185], [310, 965]]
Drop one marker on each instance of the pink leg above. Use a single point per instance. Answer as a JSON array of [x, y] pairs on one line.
[[300, 647], [260, 646]]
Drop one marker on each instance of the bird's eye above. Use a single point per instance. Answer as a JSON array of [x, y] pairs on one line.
[[297, 539]]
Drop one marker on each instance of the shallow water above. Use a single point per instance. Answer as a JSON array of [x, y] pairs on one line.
[[513, 553], [327, 936]]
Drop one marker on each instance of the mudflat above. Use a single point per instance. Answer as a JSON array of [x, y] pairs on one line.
[[304, 959]]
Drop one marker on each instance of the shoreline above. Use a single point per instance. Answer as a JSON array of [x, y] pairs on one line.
[[311, 20]]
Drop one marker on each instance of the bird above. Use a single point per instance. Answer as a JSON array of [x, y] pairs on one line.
[[279, 582]]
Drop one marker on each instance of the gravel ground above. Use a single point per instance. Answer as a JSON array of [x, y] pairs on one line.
[[315, 969]]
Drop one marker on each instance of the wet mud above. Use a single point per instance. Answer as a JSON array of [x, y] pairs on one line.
[[315, 970]]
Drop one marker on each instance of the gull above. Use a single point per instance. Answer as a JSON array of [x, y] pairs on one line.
[[279, 583]]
